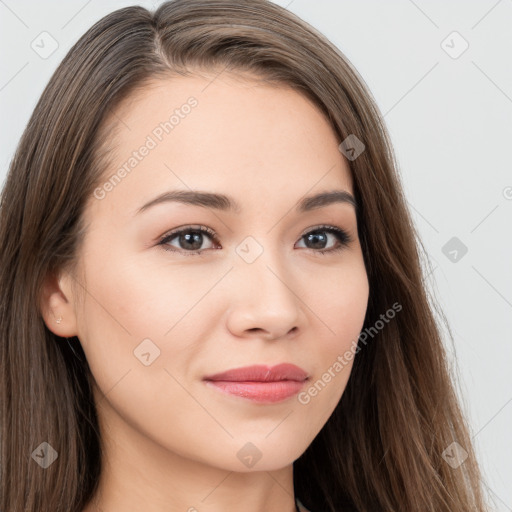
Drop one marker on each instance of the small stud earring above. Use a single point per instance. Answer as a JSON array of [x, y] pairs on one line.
[[59, 320]]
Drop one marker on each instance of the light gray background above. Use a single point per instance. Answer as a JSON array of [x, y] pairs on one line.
[[450, 120]]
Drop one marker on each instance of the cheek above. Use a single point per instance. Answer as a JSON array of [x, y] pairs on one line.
[[138, 312], [140, 297], [340, 301], [340, 307]]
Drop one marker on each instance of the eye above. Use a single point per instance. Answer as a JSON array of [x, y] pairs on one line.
[[190, 239], [319, 238]]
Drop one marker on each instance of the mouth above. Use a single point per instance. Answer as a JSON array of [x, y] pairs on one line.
[[260, 383]]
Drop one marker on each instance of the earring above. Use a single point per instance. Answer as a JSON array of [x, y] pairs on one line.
[[59, 320]]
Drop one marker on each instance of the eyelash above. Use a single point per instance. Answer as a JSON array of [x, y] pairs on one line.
[[344, 239]]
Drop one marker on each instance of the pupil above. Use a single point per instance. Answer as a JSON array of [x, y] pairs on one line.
[[195, 239], [314, 237]]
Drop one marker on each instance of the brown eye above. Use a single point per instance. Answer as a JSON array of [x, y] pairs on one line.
[[188, 240], [319, 238]]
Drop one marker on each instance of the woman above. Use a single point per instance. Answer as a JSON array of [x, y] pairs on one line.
[[212, 295]]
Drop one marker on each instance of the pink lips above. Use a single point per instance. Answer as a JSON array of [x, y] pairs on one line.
[[260, 383]]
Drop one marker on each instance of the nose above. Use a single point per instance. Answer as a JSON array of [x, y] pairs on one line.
[[264, 303]]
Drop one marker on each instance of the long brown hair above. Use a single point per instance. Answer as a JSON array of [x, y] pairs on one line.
[[382, 448]]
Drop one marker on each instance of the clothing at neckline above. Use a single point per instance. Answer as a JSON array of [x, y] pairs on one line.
[[300, 507]]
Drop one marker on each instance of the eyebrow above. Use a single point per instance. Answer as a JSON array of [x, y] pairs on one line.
[[226, 203]]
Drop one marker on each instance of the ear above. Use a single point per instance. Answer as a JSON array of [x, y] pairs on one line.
[[57, 303]]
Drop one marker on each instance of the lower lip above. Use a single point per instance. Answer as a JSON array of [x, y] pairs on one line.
[[264, 392]]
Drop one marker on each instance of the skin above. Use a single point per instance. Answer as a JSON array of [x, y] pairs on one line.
[[170, 442]]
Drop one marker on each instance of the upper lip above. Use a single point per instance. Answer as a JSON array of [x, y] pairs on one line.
[[262, 373]]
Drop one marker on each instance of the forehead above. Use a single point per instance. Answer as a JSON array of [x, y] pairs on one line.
[[222, 133]]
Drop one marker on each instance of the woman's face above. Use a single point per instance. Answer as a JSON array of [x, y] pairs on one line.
[[252, 289]]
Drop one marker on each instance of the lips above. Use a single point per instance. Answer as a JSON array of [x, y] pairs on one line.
[[260, 383], [261, 373]]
